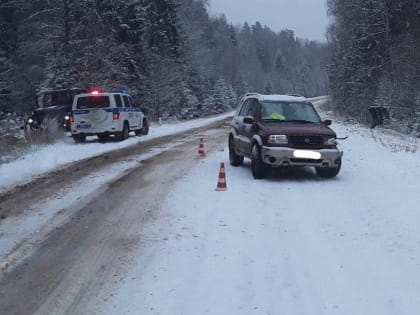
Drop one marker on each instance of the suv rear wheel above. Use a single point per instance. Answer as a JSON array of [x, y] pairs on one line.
[[328, 172], [258, 167], [124, 134], [79, 138], [235, 159], [144, 129]]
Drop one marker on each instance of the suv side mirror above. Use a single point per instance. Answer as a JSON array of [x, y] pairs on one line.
[[327, 122], [248, 120]]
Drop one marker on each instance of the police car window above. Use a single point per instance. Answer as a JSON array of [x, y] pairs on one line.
[[131, 102], [118, 100], [126, 101], [85, 102]]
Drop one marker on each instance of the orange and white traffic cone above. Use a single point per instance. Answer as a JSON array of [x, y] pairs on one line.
[[221, 183], [201, 152]]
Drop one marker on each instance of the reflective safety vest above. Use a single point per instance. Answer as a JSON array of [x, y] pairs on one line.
[[277, 116]]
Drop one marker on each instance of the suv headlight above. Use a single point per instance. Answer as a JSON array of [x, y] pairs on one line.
[[277, 139], [331, 141], [67, 117], [30, 121]]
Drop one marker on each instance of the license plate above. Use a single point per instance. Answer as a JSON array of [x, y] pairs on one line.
[[84, 126], [305, 154]]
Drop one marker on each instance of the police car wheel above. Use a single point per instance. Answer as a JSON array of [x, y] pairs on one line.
[[125, 133], [144, 130]]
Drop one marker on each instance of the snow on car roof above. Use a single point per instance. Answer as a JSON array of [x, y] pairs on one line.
[[281, 98]]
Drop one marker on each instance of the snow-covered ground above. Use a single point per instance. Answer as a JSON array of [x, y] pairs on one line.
[[44, 215], [49, 157], [290, 244]]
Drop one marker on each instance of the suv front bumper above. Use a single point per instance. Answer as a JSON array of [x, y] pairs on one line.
[[284, 156]]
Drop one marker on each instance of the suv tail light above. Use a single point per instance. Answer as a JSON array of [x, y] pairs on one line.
[[116, 116]]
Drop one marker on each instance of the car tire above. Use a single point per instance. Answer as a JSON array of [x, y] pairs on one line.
[[235, 159], [102, 137], [328, 172], [144, 130], [79, 138], [258, 167], [125, 133]]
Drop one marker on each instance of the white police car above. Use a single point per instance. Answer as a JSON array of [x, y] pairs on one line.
[[104, 114]]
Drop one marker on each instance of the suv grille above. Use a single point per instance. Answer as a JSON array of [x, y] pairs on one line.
[[311, 142]]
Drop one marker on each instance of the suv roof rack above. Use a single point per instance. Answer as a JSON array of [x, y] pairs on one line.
[[295, 94], [250, 94]]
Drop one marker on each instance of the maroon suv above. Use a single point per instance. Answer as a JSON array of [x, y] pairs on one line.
[[282, 131]]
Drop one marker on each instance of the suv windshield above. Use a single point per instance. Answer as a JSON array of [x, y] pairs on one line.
[[289, 111], [92, 102]]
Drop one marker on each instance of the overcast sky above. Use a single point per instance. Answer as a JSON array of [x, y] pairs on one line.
[[308, 18]]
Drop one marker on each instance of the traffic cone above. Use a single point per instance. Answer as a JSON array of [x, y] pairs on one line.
[[201, 152], [221, 183]]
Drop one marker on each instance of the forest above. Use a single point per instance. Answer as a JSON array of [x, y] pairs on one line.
[[375, 60], [171, 55], [178, 60]]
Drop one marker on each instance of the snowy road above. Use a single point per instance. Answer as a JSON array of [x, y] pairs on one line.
[[289, 244]]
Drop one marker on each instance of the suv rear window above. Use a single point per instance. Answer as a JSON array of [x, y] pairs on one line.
[[126, 101], [118, 100], [92, 102]]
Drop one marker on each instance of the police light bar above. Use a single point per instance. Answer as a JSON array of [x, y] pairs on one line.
[[94, 91]]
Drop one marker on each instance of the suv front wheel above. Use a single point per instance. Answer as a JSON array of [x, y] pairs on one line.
[[258, 167], [235, 159], [328, 172]]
